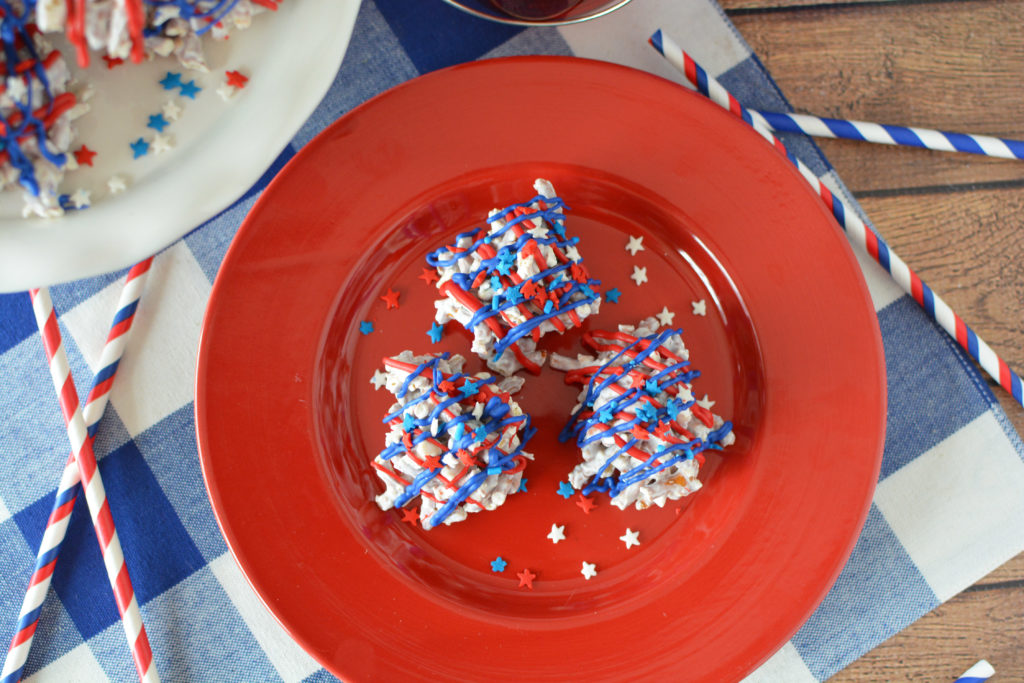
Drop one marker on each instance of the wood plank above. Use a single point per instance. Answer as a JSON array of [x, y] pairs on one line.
[[941, 645], [930, 65], [765, 6]]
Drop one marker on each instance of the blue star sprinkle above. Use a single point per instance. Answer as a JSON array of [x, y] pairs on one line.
[[435, 332], [651, 386], [366, 327], [480, 434], [496, 283], [498, 564], [189, 90], [469, 388], [408, 422], [513, 295], [605, 416], [139, 148], [673, 409], [157, 122], [613, 295], [506, 260], [522, 485], [565, 490], [647, 413], [171, 81]]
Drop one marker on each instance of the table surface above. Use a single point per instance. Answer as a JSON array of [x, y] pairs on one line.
[[956, 219]]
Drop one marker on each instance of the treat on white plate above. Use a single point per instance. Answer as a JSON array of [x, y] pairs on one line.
[[639, 429], [454, 440], [514, 280]]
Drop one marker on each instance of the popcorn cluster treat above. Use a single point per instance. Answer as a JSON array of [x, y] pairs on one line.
[[640, 431], [514, 281], [455, 440]]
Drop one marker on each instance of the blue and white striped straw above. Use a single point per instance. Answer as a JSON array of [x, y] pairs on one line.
[[858, 233], [981, 671], [884, 134]]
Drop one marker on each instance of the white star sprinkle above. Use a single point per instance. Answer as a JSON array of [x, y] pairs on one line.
[[557, 533], [699, 307], [80, 198], [635, 244], [171, 111], [630, 538], [589, 570], [639, 275], [705, 402], [226, 91], [116, 184], [161, 143], [666, 316]]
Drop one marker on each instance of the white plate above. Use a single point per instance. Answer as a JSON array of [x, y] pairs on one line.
[[220, 148]]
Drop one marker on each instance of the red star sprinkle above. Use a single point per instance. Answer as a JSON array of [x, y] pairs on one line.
[[236, 79], [447, 386], [467, 458], [585, 503], [410, 515], [432, 462], [391, 298], [84, 155], [429, 276], [526, 578], [112, 61]]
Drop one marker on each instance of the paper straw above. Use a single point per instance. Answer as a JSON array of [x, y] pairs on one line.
[[856, 231], [884, 134], [92, 485], [67, 489], [981, 671]]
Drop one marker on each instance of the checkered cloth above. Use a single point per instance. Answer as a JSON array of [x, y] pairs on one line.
[[948, 508]]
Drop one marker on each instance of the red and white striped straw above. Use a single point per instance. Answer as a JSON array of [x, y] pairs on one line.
[[92, 484], [982, 671], [846, 216], [67, 489]]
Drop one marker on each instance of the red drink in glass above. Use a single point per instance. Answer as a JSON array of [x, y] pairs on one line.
[[535, 10]]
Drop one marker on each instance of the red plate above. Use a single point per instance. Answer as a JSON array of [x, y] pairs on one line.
[[288, 422]]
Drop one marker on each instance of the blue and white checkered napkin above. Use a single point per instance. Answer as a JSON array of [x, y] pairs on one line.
[[948, 508]]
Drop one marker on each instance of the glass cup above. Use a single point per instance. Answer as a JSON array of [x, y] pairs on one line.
[[538, 12]]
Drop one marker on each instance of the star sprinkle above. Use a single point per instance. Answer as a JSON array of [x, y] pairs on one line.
[[139, 148], [236, 79], [557, 533], [705, 402], [171, 81], [171, 110], [112, 61], [613, 295], [635, 244], [429, 275], [80, 198], [589, 570], [366, 327], [432, 462], [410, 515], [116, 184], [390, 298], [162, 143], [84, 155], [630, 538], [699, 307], [469, 388], [639, 275], [498, 564], [435, 333], [189, 90], [226, 92], [526, 578], [565, 490], [379, 379], [522, 486], [585, 504], [666, 316], [157, 122]]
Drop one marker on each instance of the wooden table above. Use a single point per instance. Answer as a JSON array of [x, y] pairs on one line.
[[957, 219]]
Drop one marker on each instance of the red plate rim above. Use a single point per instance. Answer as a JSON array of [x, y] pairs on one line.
[[280, 282]]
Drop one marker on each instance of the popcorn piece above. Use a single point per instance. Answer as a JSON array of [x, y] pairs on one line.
[[640, 431], [454, 440], [514, 281]]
